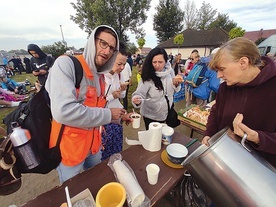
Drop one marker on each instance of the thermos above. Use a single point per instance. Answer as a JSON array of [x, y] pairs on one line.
[[22, 146]]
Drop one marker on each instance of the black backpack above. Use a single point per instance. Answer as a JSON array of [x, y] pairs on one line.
[[35, 115]]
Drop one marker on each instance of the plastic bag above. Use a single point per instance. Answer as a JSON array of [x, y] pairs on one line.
[[125, 175], [188, 194]]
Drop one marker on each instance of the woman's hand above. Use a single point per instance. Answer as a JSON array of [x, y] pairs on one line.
[[127, 118], [205, 141], [240, 129], [177, 80], [123, 86], [116, 94]]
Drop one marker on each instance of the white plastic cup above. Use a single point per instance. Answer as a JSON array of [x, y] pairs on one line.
[[136, 120], [152, 173], [167, 133]]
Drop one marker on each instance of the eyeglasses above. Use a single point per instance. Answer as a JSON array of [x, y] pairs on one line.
[[103, 44]]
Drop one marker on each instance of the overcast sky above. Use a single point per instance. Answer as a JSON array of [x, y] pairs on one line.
[[38, 21]]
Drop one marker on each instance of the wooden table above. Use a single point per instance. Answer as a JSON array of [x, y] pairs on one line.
[[193, 128], [137, 158]]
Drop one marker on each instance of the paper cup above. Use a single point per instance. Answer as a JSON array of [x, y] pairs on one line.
[[136, 120], [167, 133], [111, 194], [152, 173]]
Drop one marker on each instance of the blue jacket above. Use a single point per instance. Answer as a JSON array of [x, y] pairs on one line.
[[11, 82], [212, 84]]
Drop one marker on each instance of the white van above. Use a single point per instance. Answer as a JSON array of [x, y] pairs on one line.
[[268, 45]]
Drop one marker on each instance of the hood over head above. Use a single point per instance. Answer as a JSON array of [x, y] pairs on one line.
[[268, 72], [37, 49], [90, 52]]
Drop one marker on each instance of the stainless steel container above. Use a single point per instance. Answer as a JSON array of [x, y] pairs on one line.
[[232, 175], [22, 146]]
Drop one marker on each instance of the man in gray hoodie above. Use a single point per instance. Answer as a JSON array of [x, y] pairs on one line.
[[69, 106]]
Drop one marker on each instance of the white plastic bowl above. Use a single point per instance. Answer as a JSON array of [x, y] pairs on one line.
[[176, 152]]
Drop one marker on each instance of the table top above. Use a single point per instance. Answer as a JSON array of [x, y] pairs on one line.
[[137, 158]]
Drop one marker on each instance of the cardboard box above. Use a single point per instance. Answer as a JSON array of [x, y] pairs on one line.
[[189, 121], [86, 194]]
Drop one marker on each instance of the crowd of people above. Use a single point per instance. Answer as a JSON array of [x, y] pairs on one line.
[[235, 75]]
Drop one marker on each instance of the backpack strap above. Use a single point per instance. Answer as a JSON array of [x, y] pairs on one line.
[[201, 74], [78, 70]]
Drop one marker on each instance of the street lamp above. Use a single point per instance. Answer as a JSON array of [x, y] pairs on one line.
[[64, 42]]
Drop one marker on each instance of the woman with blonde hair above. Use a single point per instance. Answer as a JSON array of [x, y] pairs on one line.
[[246, 99]]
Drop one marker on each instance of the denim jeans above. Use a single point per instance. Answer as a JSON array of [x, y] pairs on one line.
[[67, 172]]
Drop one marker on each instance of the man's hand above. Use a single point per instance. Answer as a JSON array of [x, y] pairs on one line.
[[127, 118], [116, 113]]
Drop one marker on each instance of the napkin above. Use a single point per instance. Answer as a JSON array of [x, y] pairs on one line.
[[130, 183], [150, 139]]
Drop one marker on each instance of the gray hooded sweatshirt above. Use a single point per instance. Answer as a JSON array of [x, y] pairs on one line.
[[66, 107]]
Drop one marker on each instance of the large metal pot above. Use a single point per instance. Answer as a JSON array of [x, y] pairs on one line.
[[232, 175]]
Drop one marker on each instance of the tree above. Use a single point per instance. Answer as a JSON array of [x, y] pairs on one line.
[[131, 48], [141, 42], [178, 39], [168, 20], [122, 15], [190, 15], [205, 16], [56, 49], [236, 32], [222, 21]]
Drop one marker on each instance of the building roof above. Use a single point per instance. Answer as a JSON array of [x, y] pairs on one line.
[[255, 35], [199, 38]]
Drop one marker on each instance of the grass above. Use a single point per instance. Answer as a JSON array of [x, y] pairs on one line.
[[17, 78], [32, 79]]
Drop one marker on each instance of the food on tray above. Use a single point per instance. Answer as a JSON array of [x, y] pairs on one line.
[[197, 114]]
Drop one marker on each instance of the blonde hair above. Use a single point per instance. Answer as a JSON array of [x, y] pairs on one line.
[[235, 49]]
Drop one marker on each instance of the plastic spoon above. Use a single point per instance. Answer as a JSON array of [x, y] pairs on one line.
[[68, 197]]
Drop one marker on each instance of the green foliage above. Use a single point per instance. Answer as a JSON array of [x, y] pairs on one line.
[[56, 49], [205, 16], [122, 15], [178, 39], [168, 20], [141, 42], [131, 48], [222, 21], [236, 32]]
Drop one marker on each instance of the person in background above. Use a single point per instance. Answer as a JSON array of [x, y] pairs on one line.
[[139, 72], [194, 59], [82, 117], [17, 64], [129, 60], [115, 88], [175, 64], [4, 103], [12, 85], [138, 60], [127, 74], [246, 99], [40, 62], [27, 63], [154, 93], [171, 58]]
